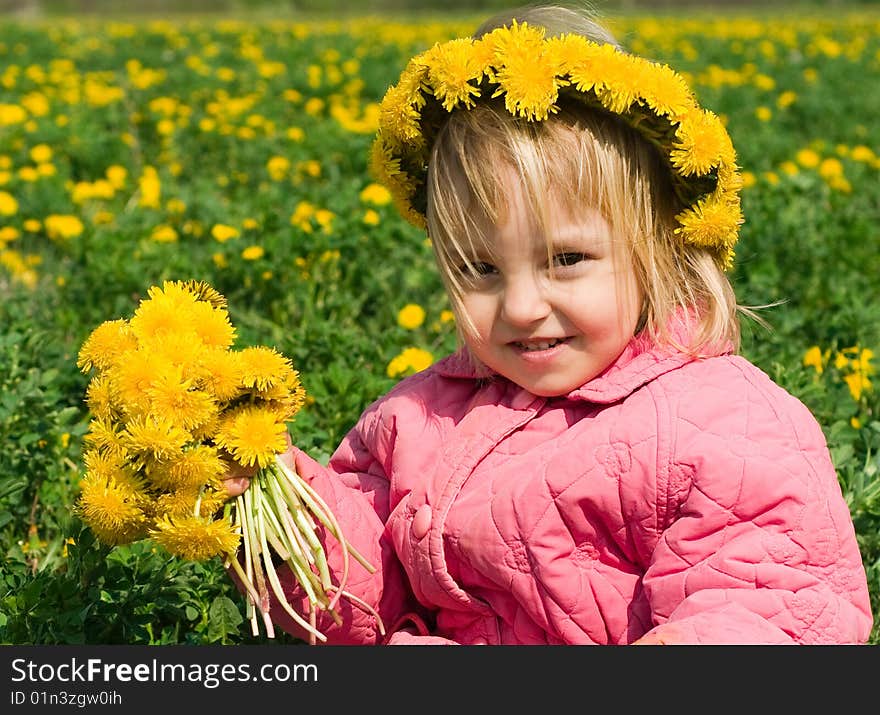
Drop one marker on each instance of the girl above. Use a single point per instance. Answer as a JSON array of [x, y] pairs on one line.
[[596, 464]]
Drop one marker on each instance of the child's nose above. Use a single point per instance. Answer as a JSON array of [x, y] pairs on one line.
[[524, 300]]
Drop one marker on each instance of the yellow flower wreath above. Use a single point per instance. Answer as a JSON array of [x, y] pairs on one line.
[[530, 72]]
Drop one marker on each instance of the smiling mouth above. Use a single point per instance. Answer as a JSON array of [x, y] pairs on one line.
[[536, 345]]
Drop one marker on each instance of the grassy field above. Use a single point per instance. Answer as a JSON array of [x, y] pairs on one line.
[[232, 151]]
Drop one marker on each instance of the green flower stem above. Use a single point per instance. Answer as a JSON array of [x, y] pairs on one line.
[[270, 573], [252, 509], [278, 515], [319, 508], [295, 559]]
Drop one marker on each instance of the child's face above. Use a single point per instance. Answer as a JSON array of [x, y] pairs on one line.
[[550, 331]]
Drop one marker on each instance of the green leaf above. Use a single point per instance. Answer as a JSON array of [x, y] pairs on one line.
[[224, 618]]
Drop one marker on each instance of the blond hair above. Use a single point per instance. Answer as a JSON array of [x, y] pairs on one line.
[[584, 158]]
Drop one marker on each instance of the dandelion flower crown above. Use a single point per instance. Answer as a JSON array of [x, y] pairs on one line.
[[531, 73]]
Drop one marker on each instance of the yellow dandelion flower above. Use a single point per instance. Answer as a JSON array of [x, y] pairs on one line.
[[195, 538], [813, 358], [252, 435], [411, 316], [452, 67], [667, 93], [220, 373], [133, 377], [808, 158], [104, 436], [105, 345], [375, 194], [8, 204], [711, 222], [263, 367], [196, 466], [101, 397], [212, 325], [858, 383], [63, 227], [111, 508], [165, 312], [173, 397], [526, 75], [253, 253], [701, 144], [619, 78], [154, 436], [222, 233], [410, 360]]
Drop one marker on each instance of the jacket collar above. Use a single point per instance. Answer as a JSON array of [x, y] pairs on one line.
[[640, 362]]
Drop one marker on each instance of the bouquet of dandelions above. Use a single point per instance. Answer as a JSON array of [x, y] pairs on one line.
[[170, 401]]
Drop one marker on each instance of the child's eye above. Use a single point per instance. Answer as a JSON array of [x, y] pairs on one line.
[[478, 269], [568, 259]]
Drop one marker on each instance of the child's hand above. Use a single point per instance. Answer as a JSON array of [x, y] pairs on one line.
[[238, 478]]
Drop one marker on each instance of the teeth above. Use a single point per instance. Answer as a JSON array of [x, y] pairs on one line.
[[542, 345]]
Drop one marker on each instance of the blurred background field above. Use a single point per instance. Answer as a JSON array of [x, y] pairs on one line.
[[228, 142]]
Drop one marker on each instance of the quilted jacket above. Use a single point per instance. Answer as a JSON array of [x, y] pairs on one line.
[[670, 499]]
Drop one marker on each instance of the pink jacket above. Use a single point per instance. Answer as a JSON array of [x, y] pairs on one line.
[[690, 500]]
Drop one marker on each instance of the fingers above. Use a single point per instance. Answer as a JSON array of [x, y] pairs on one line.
[[235, 486]]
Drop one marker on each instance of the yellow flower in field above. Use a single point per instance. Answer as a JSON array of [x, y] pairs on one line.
[[250, 224], [11, 114], [222, 233], [748, 179], [252, 435], [830, 168], [858, 383], [808, 158], [862, 153], [763, 114], [63, 227], [150, 188], [32, 225], [325, 217], [786, 99], [375, 194], [447, 316], [411, 316], [116, 175], [175, 206], [789, 168], [371, 218], [41, 153], [163, 233], [278, 167], [28, 174], [8, 204], [195, 538], [311, 168], [8, 234], [295, 134], [410, 360], [814, 358], [253, 253], [314, 106]]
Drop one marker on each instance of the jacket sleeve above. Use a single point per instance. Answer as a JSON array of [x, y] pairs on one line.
[[355, 488], [759, 545]]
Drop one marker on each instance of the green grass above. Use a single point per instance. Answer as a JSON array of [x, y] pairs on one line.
[[208, 104]]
